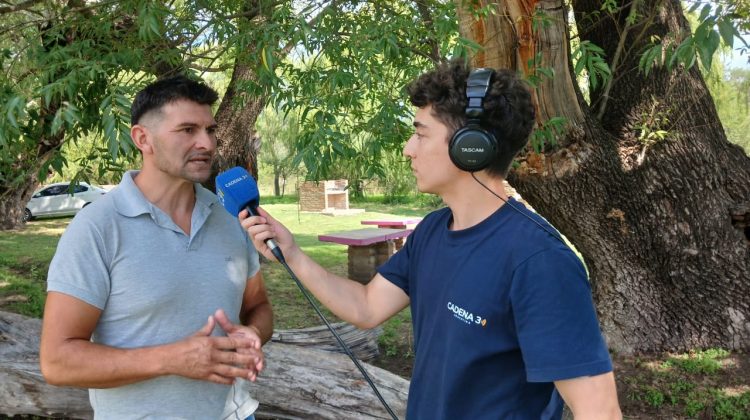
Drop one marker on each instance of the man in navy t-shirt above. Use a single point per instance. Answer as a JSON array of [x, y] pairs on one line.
[[504, 323]]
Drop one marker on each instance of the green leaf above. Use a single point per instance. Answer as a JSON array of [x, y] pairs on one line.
[[593, 80], [708, 48], [580, 65], [602, 67], [727, 31], [705, 12]]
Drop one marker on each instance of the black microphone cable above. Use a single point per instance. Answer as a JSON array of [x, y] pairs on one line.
[[556, 236], [280, 257]]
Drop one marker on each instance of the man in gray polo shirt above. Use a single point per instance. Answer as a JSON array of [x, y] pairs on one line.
[[156, 302]]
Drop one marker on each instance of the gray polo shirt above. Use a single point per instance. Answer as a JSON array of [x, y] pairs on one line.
[[154, 285]]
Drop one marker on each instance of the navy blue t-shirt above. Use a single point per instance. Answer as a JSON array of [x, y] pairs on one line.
[[499, 310]]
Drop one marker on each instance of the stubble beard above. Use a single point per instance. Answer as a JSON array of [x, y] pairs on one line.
[[184, 171]]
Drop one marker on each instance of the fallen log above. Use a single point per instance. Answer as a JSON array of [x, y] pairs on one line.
[[22, 387], [362, 343], [298, 383]]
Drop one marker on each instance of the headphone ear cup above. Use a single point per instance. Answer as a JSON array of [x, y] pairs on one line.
[[472, 148]]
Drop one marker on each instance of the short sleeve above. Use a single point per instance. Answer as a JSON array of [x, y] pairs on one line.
[[396, 269], [555, 320], [79, 267]]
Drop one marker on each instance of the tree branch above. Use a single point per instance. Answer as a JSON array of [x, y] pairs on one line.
[[426, 16], [209, 68], [312, 22], [18, 7], [616, 60]]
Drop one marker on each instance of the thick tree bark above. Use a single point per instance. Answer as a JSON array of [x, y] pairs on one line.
[[661, 224], [297, 383], [13, 202], [238, 144]]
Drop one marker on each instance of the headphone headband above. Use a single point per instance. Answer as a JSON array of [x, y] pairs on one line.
[[477, 86]]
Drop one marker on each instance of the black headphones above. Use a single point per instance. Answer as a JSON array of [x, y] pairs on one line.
[[472, 148]]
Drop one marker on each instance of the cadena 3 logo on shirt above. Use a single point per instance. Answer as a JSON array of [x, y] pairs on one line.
[[466, 316]]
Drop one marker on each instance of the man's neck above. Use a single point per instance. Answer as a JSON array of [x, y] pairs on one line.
[[174, 196], [471, 203]]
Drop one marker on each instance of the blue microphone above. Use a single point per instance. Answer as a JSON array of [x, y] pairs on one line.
[[238, 190]]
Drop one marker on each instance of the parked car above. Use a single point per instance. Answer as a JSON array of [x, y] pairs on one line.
[[58, 200]]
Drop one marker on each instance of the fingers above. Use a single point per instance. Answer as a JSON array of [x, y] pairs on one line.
[[239, 365], [266, 215], [246, 359], [207, 328], [224, 322], [235, 342]]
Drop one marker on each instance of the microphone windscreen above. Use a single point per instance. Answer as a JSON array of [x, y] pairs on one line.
[[236, 189]]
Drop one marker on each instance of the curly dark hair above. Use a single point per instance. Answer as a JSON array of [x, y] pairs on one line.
[[167, 90], [508, 110]]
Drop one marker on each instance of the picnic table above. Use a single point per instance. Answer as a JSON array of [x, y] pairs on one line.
[[403, 223], [366, 249]]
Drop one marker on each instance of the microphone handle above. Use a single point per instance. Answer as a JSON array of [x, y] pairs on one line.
[[253, 211]]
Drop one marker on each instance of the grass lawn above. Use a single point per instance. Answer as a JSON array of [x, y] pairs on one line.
[[711, 384]]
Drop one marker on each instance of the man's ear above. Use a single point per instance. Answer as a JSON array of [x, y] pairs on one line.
[[141, 138]]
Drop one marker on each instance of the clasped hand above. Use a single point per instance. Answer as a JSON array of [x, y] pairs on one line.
[[219, 359]]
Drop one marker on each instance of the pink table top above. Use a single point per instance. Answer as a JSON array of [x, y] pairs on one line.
[[393, 222], [362, 237]]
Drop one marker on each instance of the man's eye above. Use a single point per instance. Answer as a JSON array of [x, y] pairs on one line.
[[211, 130], [188, 130]]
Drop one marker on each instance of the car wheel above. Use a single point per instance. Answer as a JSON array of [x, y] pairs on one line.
[[26, 215]]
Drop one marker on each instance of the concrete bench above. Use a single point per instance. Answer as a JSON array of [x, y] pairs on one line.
[[367, 249]]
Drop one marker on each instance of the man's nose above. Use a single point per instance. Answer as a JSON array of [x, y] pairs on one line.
[[409, 147], [206, 140]]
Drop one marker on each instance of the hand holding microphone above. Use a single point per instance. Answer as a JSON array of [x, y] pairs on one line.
[[238, 191], [265, 231]]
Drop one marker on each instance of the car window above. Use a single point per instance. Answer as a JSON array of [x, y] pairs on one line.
[[81, 188], [53, 190], [61, 190]]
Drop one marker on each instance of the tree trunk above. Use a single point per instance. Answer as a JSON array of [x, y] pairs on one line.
[[297, 383], [13, 202], [276, 181], [238, 144], [14, 197], [661, 224]]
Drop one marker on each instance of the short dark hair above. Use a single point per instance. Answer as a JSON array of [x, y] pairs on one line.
[[508, 109], [167, 90]]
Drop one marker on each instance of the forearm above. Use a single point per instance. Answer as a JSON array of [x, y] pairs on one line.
[[363, 306], [344, 297], [260, 318], [591, 397], [81, 363]]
